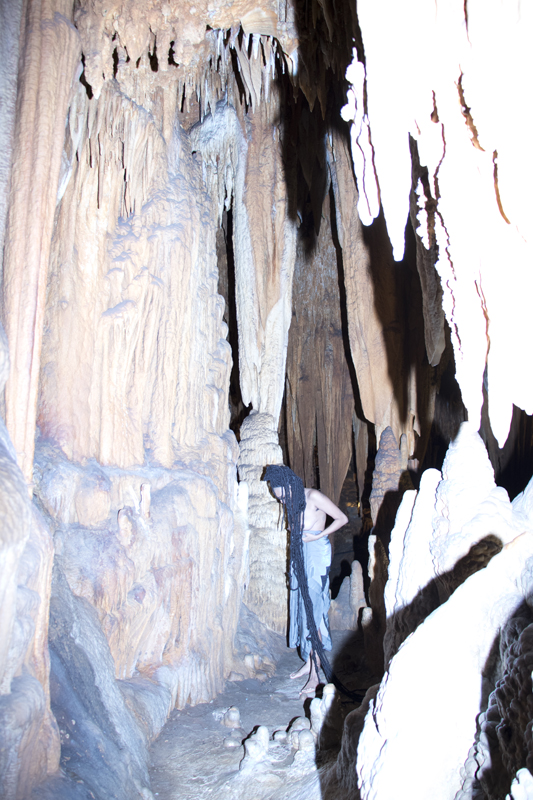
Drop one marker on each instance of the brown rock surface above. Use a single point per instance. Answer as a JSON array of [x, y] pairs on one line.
[[319, 394]]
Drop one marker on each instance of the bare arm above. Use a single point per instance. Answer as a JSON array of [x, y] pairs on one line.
[[323, 503]]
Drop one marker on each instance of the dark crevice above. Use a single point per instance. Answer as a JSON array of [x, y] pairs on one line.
[[152, 57], [83, 80], [226, 287], [171, 55], [238, 79]]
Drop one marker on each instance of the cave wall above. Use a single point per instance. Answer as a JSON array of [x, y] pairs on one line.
[[133, 468], [128, 131], [319, 392]]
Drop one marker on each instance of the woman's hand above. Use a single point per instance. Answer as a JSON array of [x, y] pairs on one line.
[[308, 537]]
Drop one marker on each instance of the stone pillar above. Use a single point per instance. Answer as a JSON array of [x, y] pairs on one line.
[[266, 593], [50, 52]]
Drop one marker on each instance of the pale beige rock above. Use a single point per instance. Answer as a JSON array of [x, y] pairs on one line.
[[256, 750], [264, 246], [389, 480], [50, 53], [264, 274], [266, 592], [152, 529], [123, 395], [232, 718], [240, 159], [129, 570], [10, 13], [326, 718]]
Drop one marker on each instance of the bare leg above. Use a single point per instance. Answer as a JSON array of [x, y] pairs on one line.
[[303, 670], [313, 679]]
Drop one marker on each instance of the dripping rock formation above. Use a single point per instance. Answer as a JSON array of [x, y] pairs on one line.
[[234, 235]]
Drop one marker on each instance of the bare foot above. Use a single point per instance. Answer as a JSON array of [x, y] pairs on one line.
[[302, 671], [309, 690]]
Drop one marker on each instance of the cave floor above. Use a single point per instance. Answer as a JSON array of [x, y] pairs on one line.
[[190, 760]]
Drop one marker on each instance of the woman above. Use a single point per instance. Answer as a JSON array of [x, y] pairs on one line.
[[310, 563]]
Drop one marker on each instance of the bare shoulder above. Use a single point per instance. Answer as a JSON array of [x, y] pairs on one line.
[[314, 496], [319, 500]]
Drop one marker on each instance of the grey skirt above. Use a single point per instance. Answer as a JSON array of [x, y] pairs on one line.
[[317, 561]]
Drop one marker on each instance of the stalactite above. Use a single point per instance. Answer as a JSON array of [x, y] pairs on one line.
[[366, 329], [449, 112], [319, 395]]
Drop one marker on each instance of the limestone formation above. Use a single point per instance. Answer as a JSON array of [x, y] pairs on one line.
[[50, 52], [9, 45], [319, 392], [450, 559], [459, 648], [29, 738], [143, 144], [392, 395], [92, 713], [522, 785], [468, 519], [255, 749], [232, 718], [450, 115], [268, 536], [326, 718], [345, 610]]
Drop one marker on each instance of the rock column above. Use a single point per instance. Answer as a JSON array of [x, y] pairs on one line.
[[50, 52]]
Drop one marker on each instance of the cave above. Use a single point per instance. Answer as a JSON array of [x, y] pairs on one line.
[[238, 235]]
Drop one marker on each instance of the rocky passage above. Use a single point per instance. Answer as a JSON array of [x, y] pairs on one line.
[[198, 756]]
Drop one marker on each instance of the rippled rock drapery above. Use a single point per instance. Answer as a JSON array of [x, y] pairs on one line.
[[50, 51], [319, 393]]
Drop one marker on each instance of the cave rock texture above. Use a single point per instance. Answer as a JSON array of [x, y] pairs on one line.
[[238, 234]]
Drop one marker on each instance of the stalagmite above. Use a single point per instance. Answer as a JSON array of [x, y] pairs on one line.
[[458, 647], [268, 545]]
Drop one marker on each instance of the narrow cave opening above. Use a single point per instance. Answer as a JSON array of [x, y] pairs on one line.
[[226, 288]]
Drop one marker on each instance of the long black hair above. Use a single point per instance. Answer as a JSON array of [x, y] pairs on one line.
[[282, 477]]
